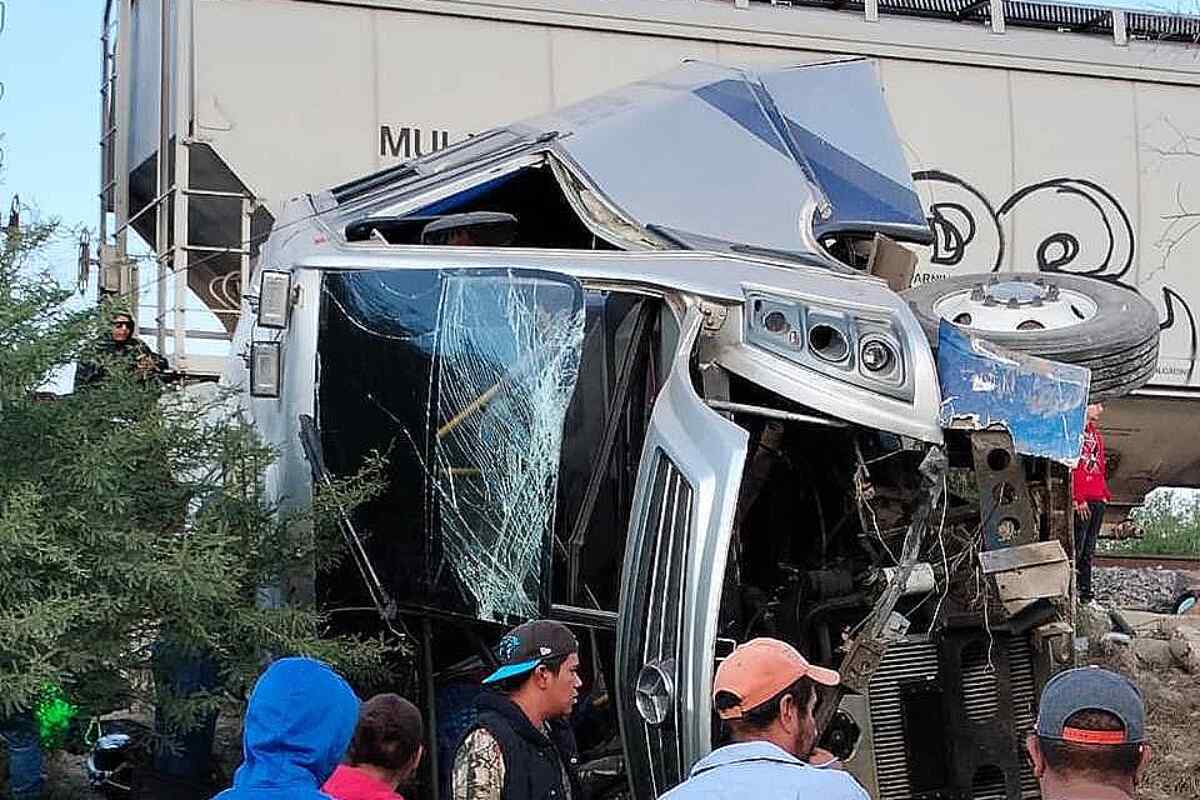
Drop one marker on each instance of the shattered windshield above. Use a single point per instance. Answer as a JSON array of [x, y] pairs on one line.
[[464, 377]]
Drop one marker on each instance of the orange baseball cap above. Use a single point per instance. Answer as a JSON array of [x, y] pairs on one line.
[[762, 668]]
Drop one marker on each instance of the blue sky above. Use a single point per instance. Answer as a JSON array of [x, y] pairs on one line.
[[49, 113]]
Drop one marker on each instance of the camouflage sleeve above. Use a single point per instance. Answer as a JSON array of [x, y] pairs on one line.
[[478, 768]]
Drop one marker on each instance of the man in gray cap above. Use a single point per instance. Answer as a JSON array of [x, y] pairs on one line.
[[1090, 741]]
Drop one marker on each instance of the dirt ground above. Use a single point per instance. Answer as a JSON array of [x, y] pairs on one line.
[[1172, 721], [66, 773]]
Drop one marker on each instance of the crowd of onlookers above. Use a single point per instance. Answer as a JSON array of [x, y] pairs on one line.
[[308, 736]]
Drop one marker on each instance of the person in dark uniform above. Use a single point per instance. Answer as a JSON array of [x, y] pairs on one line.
[[130, 350], [521, 747]]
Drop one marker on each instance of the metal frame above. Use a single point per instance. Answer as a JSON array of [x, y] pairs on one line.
[[1004, 506], [1120, 24], [172, 245], [639, 345]]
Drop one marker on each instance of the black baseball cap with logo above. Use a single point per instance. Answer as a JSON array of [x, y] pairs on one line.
[[526, 646]]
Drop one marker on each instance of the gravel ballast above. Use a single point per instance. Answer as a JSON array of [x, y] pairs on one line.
[[1140, 589]]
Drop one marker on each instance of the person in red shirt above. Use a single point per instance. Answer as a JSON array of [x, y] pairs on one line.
[[1090, 493], [385, 751]]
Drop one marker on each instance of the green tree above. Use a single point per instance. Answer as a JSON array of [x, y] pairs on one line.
[[133, 515], [1170, 526]]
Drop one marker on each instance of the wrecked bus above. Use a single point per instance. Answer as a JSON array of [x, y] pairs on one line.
[[632, 372]]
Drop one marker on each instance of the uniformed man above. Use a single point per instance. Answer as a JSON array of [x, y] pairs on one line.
[[521, 746], [129, 350]]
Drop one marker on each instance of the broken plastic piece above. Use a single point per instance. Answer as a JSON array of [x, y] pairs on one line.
[[1040, 402]]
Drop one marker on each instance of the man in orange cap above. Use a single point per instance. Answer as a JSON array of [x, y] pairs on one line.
[[765, 693]]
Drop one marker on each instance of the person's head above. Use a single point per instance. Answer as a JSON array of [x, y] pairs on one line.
[[766, 690], [299, 720], [461, 238], [1094, 410], [1091, 729], [122, 327], [388, 737], [539, 668]]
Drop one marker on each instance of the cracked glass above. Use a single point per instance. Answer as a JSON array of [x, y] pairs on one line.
[[464, 378]]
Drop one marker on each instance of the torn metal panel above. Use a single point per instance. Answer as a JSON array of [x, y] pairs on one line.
[[509, 350], [1041, 403], [698, 149], [1027, 573], [1004, 503]]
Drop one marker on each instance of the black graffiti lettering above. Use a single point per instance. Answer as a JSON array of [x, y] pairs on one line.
[[1067, 247], [1170, 298], [407, 142], [971, 207], [950, 239], [957, 222], [1107, 210], [925, 277]]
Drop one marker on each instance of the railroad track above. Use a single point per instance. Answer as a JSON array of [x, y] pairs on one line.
[[1184, 563]]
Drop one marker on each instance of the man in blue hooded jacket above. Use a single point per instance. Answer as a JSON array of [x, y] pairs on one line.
[[299, 722]]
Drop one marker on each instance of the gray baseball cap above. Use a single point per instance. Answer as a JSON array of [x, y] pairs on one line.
[[1091, 689]]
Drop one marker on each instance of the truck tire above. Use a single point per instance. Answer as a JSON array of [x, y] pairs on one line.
[[1111, 330]]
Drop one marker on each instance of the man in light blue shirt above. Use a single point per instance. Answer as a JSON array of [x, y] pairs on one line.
[[765, 693]]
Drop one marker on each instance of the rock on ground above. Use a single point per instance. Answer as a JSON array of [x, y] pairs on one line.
[[1141, 589]]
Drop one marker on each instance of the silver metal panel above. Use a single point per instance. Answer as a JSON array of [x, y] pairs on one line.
[[836, 114], [861, 763], [737, 155], [709, 451], [144, 62], [301, 242]]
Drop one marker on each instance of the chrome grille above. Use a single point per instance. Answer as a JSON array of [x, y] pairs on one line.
[[903, 662], [982, 706], [916, 659], [658, 599]]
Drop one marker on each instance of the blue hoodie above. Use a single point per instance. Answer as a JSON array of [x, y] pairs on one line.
[[299, 722]]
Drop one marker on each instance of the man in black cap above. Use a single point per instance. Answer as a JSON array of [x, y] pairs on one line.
[[1090, 741], [521, 746], [122, 347]]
